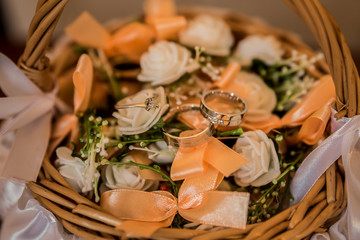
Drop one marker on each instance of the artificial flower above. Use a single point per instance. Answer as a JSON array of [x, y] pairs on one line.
[[203, 26], [165, 62], [261, 99], [126, 177], [160, 152], [265, 48], [77, 172], [263, 165], [138, 120], [210, 32]]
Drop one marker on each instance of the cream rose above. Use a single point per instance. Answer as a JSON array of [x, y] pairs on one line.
[[75, 171], [138, 120], [161, 153], [263, 165], [261, 99], [265, 48], [126, 177], [165, 62], [209, 32]]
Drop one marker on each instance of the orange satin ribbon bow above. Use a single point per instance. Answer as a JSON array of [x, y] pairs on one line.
[[68, 123], [203, 168]]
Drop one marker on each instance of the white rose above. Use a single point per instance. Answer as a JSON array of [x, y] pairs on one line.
[[209, 32], [261, 99], [161, 153], [138, 120], [126, 177], [263, 165], [165, 62], [265, 48], [75, 171]]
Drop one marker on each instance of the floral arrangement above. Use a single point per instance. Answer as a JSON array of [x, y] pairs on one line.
[[165, 61]]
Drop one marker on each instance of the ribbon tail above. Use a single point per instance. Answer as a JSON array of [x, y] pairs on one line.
[[223, 158], [227, 209], [32, 138]]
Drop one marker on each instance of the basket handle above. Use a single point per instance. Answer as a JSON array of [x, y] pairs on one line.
[[35, 64], [337, 53], [33, 61]]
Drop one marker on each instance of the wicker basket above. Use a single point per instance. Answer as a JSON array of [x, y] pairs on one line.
[[315, 213]]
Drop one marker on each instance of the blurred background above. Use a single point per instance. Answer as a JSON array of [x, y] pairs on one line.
[[15, 16]]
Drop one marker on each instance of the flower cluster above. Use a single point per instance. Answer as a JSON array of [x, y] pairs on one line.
[[122, 144]]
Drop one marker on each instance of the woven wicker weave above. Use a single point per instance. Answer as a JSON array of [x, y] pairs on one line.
[[315, 213]]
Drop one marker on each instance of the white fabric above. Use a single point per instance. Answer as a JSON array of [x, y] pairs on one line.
[[345, 142], [24, 218]]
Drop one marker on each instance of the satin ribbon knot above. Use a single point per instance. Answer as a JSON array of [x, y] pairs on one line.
[[27, 112]]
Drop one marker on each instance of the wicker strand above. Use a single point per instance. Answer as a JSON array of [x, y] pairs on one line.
[[84, 222], [337, 53], [81, 233]]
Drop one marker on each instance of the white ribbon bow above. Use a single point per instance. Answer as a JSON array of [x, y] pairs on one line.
[[28, 112], [344, 142]]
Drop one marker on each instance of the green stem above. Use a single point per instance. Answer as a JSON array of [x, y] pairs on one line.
[[235, 132], [277, 180], [134, 141], [115, 87], [156, 169]]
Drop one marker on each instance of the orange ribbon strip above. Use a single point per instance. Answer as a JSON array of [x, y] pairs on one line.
[[68, 123], [314, 127], [192, 162], [158, 9], [316, 98], [266, 126]]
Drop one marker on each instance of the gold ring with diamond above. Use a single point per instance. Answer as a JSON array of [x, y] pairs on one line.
[[148, 104]]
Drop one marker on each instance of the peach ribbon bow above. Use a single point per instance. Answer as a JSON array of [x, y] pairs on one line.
[[203, 168], [68, 123]]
